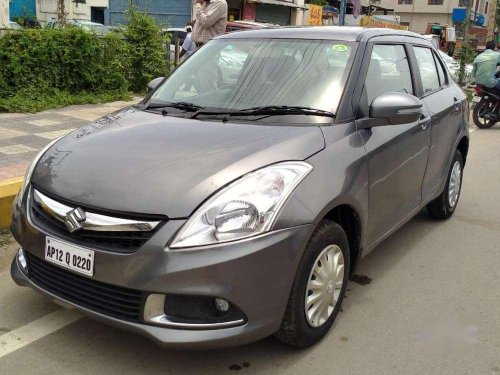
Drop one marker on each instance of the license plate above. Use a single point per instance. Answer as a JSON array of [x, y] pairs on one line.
[[476, 99], [69, 256]]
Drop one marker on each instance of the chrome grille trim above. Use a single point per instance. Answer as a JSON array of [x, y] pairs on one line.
[[93, 222]]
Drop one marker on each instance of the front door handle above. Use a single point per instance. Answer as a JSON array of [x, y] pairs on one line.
[[424, 121]]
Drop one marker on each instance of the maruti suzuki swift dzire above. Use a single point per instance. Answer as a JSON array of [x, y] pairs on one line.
[[236, 199]]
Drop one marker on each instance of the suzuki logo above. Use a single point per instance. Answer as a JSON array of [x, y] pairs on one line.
[[74, 219]]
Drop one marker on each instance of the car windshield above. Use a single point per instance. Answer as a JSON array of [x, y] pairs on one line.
[[236, 74]]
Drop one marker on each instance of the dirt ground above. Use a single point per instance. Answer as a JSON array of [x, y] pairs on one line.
[[8, 248]]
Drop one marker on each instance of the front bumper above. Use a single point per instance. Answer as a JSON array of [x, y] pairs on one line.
[[256, 275]]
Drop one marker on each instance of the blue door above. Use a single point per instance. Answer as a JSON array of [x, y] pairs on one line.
[[22, 8]]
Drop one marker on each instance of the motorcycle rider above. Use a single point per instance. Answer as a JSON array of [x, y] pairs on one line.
[[485, 67]]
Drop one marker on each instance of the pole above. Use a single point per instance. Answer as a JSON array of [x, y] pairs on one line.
[[342, 12], [467, 21], [177, 51], [465, 48], [411, 28]]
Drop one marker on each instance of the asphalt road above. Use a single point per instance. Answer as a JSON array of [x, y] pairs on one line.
[[432, 307]]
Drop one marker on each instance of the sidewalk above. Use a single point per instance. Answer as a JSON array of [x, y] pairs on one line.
[[23, 135]]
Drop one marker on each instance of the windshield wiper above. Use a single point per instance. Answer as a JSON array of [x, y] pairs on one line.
[[270, 110], [185, 106]]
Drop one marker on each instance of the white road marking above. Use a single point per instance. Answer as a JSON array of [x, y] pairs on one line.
[[37, 329]]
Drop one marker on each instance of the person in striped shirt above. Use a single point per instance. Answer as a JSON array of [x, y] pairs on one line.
[[211, 20]]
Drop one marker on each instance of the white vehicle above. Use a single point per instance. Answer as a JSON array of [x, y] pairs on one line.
[[93, 27], [454, 67], [13, 25]]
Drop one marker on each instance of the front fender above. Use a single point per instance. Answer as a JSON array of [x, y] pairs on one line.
[[339, 177]]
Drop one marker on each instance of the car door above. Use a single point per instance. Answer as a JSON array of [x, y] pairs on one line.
[[396, 154], [444, 105]]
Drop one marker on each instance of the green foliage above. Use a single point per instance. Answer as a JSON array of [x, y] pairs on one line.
[[147, 49], [32, 101], [50, 68], [40, 68], [466, 55]]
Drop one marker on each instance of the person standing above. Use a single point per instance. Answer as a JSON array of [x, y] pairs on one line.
[[211, 20], [188, 47]]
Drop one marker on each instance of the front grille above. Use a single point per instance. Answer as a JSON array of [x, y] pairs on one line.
[[119, 242], [110, 300]]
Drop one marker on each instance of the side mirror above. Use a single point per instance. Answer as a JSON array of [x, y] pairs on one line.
[[153, 84], [392, 108]]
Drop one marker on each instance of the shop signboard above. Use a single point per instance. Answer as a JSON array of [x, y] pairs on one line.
[[368, 21], [315, 15], [249, 11]]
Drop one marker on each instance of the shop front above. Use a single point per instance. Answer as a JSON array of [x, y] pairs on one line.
[[270, 11], [234, 10]]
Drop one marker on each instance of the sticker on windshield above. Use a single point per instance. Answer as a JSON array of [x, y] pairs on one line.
[[340, 47]]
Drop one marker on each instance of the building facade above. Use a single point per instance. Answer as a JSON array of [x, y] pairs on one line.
[[177, 13], [281, 12], [492, 14], [4, 13], [417, 14], [168, 13], [93, 10]]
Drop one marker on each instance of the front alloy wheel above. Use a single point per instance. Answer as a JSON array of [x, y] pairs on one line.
[[324, 286], [318, 288]]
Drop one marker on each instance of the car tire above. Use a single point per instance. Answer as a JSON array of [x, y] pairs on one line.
[[481, 122], [297, 328], [444, 206]]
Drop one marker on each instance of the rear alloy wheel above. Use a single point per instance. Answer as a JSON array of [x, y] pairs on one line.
[[443, 206], [318, 288]]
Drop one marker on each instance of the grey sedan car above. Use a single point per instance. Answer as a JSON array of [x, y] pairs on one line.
[[221, 211]]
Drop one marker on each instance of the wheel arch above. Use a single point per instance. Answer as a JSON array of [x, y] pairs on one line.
[[463, 147], [348, 218]]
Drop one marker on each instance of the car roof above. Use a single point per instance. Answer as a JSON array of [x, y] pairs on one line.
[[173, 29], [346, 33], [251, 24]]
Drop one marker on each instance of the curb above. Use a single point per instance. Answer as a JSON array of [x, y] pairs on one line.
[[8, 191]]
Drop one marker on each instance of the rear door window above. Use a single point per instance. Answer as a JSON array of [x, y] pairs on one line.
[[441, 72], [427, 69]]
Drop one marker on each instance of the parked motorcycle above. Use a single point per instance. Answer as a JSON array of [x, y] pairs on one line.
[[485, 107]]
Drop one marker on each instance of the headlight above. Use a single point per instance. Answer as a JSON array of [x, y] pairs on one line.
[[31, 168], [245, 208]]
